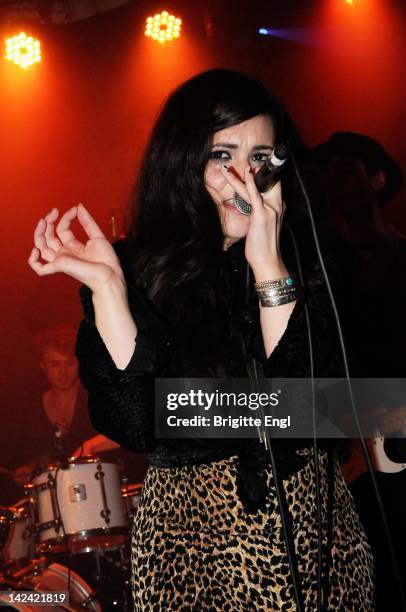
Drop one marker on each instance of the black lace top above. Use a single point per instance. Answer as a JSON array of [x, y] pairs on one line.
[[121, 402]]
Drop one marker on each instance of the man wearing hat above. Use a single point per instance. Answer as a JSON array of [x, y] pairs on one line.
[[360, 177]]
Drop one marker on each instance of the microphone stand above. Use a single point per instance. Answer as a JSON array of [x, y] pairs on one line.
[[60, 450]]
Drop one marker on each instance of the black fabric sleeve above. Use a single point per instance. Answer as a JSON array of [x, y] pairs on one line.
[[152, 342], [291, 356], [121, 401]]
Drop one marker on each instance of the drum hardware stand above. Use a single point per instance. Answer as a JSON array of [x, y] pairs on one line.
[[32, 569], [33, 519], [125, 603], [105, 513], [92, 597], [121, 564], [98, 574], [30, 530], [57, 521], [124, 492]]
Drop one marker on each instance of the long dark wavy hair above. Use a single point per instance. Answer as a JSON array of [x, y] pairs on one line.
[[175, 232]]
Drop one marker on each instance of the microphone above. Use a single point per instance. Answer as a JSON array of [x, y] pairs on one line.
[[60, 447], [266, 178]]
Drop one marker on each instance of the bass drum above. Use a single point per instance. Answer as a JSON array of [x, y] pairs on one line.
[[25, 607], [53, 578]]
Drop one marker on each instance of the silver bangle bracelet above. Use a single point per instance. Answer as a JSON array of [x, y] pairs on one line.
[[276, 284], [276, 292], [277, 300]]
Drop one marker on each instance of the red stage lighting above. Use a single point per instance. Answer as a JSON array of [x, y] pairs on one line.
[[23, 50], [163, 27]]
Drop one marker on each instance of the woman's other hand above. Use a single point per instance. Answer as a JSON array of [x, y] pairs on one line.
[[94, 263]]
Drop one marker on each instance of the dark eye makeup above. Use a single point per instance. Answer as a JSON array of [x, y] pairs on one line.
[[221, 156]]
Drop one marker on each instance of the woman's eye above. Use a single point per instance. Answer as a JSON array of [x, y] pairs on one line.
[[260, 157], [219, 155]]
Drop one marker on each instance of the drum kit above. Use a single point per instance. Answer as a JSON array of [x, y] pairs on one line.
[[71, 533]]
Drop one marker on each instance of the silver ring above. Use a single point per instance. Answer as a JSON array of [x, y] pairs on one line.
[[242, 205]]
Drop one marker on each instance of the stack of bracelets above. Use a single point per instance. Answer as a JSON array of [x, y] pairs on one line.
[[277, 292]]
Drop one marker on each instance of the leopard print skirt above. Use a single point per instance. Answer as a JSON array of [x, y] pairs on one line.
[[194, 547]]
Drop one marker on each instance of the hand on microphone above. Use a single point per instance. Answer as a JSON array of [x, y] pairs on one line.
[[262, 249]]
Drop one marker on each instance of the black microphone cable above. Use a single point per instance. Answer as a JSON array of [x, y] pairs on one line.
[[280, 495], [264, 180], [315, 446], [281, 501], [350, 390]]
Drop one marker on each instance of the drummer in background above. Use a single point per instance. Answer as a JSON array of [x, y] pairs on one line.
[[58, 424]]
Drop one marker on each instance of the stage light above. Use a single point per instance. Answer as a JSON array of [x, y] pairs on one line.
[[23, 50], [163, 27], [263, 31]]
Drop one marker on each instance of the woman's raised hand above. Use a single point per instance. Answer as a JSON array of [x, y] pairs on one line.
[[93, 263]]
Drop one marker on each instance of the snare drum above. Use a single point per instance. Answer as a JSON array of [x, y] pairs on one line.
[[79, 509]]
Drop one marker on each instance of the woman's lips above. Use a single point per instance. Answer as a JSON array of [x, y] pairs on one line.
[[230, 204]]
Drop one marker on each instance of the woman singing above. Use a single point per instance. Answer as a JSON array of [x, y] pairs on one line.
[[191, 286]]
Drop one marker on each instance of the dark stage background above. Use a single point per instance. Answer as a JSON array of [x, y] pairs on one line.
[[73, 128]]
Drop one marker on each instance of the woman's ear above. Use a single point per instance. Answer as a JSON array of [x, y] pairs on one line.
[[378, 181]]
